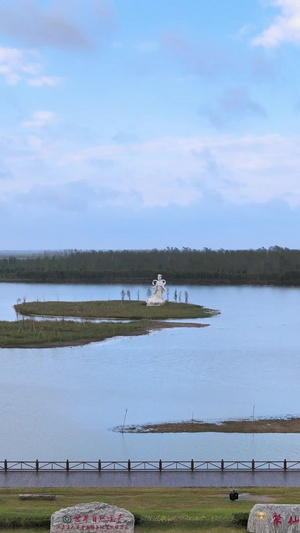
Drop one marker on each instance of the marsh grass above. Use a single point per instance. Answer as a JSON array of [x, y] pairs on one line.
[[141, 319], [261, 425], [131, 310], [31, 333], [47, 333]]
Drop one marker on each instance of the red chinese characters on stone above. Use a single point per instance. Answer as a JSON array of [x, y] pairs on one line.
[[92, 527], [294, 520], [276, 519]]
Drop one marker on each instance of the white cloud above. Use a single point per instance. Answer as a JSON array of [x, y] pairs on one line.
[[40, 118], [241, 170], [12, 63], [16, 65], [44, 80], [158, 173], [286, 27]]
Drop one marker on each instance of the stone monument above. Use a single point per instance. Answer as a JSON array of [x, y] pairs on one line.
[[92, 517], [159, 288], [274, 518]]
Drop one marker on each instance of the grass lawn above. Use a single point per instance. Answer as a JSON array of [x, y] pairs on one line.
[[157, 509]]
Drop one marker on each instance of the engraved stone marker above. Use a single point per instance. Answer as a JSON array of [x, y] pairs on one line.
[[274, 518], [92, 517]]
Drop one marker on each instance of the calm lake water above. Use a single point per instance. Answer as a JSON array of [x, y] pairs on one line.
[[62, 403]]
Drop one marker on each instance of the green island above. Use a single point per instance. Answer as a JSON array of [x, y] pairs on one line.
[[30, 333], [171, 510], [119, 309], [259, 425]]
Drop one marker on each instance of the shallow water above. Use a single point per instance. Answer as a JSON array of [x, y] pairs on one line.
[[63, 402]]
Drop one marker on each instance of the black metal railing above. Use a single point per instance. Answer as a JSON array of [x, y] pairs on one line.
[[141, 466]]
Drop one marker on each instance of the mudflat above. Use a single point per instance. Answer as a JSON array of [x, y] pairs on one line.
[[261, 425]]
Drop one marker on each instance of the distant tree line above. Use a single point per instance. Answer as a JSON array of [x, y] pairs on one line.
[[275, 265]]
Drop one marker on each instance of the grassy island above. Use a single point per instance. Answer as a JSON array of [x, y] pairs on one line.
[[260, 425], [54, 333], [60, 332], [130, 310]]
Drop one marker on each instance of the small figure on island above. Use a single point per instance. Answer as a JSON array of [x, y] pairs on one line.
[[159, 288]]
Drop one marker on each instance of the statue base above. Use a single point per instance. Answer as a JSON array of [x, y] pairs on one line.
[[154, 300]]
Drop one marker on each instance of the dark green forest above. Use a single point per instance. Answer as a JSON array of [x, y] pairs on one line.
[[275, 265]]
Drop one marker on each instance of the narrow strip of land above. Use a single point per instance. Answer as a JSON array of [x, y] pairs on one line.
[[261, 425], [58, 333]]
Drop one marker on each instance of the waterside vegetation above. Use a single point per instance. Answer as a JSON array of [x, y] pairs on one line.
[[249, 425], [140, 320], [118, 309], [54, 333], [275, 265]]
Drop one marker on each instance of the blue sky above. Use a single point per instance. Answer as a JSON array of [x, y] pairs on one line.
[[144, 124]]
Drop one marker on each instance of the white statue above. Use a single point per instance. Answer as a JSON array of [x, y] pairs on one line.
[[157, 297]]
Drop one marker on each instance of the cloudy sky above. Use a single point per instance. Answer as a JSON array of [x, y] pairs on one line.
[[149, 123]]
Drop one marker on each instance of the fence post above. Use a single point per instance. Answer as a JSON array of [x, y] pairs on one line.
[[160, 465], [99, 465], [253, 465], [5, 465], [129, 465], [222, 465], [37, 465], [67, 465], [192, 465], [285, 465]]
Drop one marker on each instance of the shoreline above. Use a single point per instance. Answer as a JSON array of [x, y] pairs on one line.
[[260, 425]]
